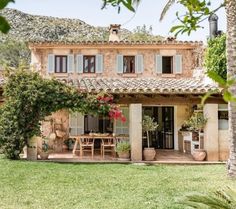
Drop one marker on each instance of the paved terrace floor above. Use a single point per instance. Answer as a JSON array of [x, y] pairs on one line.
[[162, 157]]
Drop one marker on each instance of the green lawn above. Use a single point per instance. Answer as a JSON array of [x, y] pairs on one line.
[[50, 185]]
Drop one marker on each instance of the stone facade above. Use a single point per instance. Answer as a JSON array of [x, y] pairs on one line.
[[109, 52], [216, 144]]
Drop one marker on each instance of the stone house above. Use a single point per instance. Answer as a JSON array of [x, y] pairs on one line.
[[164, 79]]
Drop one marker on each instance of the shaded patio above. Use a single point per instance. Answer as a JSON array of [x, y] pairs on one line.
[[162, 157]]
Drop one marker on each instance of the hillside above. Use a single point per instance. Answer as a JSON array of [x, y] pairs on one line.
[[37, 28]]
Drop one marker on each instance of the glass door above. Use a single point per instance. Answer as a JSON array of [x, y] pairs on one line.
[[168, 127], [163, 137]]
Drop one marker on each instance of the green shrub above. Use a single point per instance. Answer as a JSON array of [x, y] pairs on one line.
[[123, 146], [215, 57]]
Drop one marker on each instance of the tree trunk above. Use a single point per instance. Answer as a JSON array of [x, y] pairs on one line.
[[231, 72], [148, 139]]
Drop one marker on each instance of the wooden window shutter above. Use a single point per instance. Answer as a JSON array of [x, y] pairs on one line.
[[70, 63], [99, 63], [119, 63], [76, 123], [80, 123], [139, 63], [51, 63], [79, 63], [158, 64], [178, 64]]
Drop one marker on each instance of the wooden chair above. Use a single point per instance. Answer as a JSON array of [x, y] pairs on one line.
[[86, 145], [108, 145]]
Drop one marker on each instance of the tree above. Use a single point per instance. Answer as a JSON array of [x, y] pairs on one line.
[[14, 53], [215, 57], [143, 33], [196, 12], [4, 25]]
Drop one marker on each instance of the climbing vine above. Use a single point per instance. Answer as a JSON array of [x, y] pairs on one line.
[[29, 98]]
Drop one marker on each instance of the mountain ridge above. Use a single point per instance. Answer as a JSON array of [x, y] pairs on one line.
[[37, 28]]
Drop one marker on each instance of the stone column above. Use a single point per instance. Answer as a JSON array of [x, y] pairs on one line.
[[211, 141], [135, 131]]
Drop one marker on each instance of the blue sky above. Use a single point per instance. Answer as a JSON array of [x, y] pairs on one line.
[[90, 11]]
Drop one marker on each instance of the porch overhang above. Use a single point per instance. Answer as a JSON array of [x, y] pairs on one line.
[[148, 86]]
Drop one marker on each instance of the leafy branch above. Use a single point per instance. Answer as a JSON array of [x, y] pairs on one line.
[[4, 25]]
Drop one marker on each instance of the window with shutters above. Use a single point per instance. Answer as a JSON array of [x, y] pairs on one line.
[[129, 64], [167, 64], [89, 64], [60, 64]]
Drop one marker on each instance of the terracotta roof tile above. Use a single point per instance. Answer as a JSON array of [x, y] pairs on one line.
[[141, 85], [144, 85], [125, 42]]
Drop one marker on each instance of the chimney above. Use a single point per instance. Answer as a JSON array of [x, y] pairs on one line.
[[213, 25], [114, 32]]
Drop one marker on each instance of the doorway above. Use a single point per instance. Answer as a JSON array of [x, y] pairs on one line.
[[163, 137]]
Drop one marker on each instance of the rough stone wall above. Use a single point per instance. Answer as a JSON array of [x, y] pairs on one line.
[[51, 124], [189, 61]]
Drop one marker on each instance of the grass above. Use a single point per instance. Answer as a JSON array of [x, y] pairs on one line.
[[43, 185]]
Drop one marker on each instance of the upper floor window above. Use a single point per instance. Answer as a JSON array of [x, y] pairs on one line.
[[167, 64], [89, 64], [129, 64], [60, 64]]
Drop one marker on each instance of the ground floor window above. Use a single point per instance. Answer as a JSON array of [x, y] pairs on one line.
[[97, 124], [223, 117]]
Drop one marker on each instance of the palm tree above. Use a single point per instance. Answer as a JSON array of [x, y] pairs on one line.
[[231, 72]]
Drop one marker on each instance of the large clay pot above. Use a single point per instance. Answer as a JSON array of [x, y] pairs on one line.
[[124, 155], [149, 153], [32, 153], [199, 154], [44, 155], [65, 147]]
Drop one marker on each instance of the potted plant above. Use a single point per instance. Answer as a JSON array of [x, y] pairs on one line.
[[148, 125], [45, 150], [197, 123], [69, 143], [123, 150]]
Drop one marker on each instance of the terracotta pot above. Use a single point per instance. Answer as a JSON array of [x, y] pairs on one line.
[[199, 154], [31, 153], [123, 155], [149, 153], [44, 155], [64, 147]]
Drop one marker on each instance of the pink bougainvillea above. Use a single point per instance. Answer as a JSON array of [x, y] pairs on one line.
[[114, 111]]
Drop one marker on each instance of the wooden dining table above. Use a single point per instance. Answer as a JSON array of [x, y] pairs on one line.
[[78, 139]]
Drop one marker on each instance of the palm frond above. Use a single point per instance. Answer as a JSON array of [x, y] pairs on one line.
[[223, 199], [166, 8]]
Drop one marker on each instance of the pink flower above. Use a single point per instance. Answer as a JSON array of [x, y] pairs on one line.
[[123, 118]]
